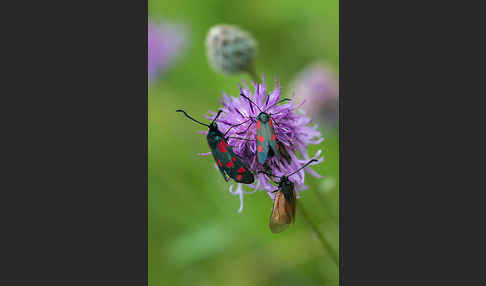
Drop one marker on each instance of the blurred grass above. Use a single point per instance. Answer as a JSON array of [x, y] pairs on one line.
[[196, 236]]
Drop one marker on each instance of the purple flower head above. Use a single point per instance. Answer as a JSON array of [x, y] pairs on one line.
[[164, 43], [319, 88], [291, 128]]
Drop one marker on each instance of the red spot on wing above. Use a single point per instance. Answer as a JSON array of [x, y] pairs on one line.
[[239, 177], [260, 148], [241, 170], [260, 138], [233, 159], [271, 124], [222, 146], [229, 164], [259, 124], [278, 146], [221, 165], [273, 137]]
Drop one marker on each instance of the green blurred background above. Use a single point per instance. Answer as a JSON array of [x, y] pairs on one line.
[[196, 236]]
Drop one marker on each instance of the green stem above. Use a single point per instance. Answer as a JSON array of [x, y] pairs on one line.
[[253, 74], [321, 237]]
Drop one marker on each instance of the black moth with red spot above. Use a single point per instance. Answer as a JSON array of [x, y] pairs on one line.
[[228, 162], [266, 138]]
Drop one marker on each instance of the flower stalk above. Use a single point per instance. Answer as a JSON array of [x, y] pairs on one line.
[[319, 235]]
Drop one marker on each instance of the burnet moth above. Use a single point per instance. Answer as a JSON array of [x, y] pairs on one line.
[[266, 138], [283, 211], [228, 162]]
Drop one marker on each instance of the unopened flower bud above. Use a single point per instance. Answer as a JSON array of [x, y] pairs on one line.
[[165, 42], [318, 86], [230, 50]]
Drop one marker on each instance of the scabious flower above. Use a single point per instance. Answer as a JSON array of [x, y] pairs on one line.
[[291, 128], [319, 88], [230, 50], [165, 41]]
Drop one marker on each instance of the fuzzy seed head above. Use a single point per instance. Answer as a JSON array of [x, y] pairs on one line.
[[230, 50]]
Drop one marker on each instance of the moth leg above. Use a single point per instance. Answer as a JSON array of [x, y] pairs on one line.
[[223, 173], [225, 177]]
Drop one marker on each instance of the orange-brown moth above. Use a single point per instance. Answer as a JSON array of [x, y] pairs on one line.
[[283, 211]]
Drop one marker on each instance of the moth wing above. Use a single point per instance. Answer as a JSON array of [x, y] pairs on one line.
[[240, 172], [219, 159], [263, 137], [277, 228], [292, 205], [283, 213], [231, 164], [272, 139]]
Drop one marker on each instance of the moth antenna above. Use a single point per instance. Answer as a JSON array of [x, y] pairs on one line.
[[188, 116], [285, 99], [217, 115], [306, 164], [250, 101]]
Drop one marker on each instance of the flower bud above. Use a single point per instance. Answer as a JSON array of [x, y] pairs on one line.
[[319, 87], [230, 50], [165, 42]]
